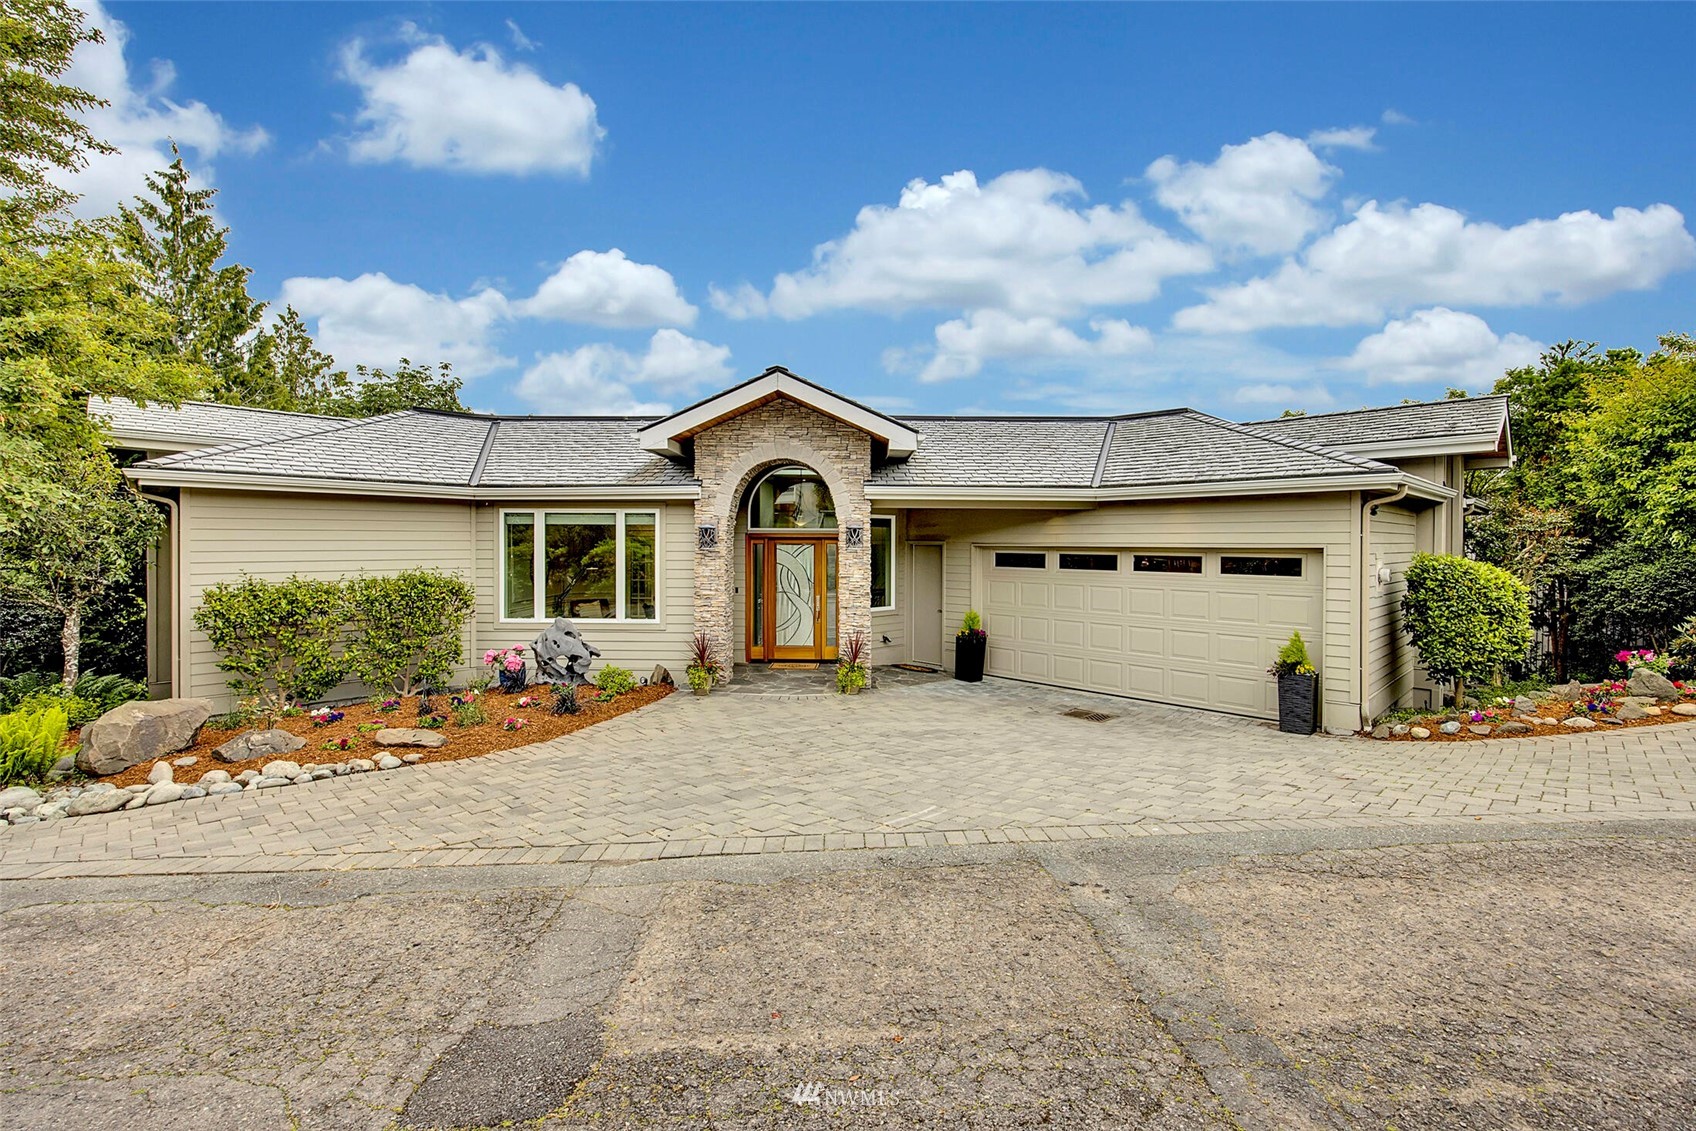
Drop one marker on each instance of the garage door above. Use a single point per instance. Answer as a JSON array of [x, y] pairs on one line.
[[1195, 628]]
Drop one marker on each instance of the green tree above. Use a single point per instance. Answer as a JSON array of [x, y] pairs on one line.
[[408, 628], [68, 549], [1633, 455], [279, 638], [40, 128], [172, 237], [1466, 618], [74, 323], [372, 391], [287, 370]]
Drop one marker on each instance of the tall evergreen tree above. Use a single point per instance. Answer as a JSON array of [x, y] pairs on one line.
[[40, 131], [287, 370], [174, 240]]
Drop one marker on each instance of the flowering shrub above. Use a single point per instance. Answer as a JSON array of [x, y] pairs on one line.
[[511, 723], [389, 705], [324, 716], [505, 659], [528, 701], [346, 742], [1635, 658]]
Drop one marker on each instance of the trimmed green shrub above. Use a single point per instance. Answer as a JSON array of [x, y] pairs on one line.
[[1466, 618], [279, 638], [1293, 658], [29, 743], [408, 628], [614, 680]]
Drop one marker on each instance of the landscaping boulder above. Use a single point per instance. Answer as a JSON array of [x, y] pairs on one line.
[[141, 731], [19, 797], [104, 802], [661, 677], [1687, 709], [258, 744], [1645, 682], [1514, 728], [562, 655], [410, 736], [1630, 712], [1571, 692], [1419, 732], [1450, 727], [1578, 722]]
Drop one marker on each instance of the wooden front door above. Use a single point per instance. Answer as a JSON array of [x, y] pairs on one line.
[[791, 597]]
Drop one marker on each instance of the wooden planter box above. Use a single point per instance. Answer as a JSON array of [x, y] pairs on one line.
[[1298, 704]]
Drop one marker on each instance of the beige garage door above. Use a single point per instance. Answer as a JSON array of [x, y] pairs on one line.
[[1195, 628]]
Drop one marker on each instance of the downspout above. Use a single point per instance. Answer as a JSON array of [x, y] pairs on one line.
[[176, 525], [1368, 508]]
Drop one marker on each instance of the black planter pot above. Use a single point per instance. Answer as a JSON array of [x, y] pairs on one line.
[[1298, 703], [968, 658], [514, 682]]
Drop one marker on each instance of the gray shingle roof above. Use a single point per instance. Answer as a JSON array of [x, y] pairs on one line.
[[400, 447], [602, 452], [1395, 423], [1192, 447], [213, 422], [992, 451]]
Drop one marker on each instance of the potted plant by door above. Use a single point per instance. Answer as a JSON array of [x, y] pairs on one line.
[[704, 668], [851, 669], [1298, 688], [970, 644], [508, 664]]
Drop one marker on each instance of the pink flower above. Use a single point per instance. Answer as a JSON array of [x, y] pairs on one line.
[[489, 656], [518, 649], [1622, 656], [514, 664]]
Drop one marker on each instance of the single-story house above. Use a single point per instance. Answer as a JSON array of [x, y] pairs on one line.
[[1157, 555]]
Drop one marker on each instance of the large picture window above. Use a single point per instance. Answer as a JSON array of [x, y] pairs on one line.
[[883, 562], [586, 565]]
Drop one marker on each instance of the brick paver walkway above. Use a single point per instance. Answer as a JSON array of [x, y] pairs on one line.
[[939, 763]]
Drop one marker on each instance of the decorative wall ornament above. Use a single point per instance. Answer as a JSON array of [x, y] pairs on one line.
[[856, 536], [706, 538]]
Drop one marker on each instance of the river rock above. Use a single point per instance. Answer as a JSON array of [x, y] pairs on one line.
[[281, 768], [1450, 727], [410, 736], [160, 772], [1513, 728], [1419, 732], [258, 744], [1382, 730], [1579, 722], [360, 765], [214, 777], [19, 797], [1480, 730], [1688, 710], [184, 762], [141, 731], [224, 787], [1645, 682], [163, 792], [389, 762]]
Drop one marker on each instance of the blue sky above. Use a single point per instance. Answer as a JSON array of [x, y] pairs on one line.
[[1000, 208]]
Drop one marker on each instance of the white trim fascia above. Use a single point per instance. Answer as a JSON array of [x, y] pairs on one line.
[[661, 437], [177, 441], [1468, 444], [304, 485], [1091, 495]]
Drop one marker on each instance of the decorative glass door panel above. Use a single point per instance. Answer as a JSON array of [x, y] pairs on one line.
[[791, 597]]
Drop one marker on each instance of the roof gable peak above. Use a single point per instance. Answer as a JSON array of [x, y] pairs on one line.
[[669, 435]]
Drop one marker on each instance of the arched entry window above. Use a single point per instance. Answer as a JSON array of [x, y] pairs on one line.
[[791, 498]]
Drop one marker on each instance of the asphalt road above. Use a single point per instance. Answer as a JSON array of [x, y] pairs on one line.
[[1448, 977]]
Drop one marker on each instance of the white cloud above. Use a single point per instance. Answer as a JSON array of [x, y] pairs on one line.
[[1017, 244], [744, 300], [373, 320], [1440, 347], [1391, 258], [141, 122], [1258, 195], [1344, 137], [520, 41], [604, 288], [964, 344], [1394, 117], [599, 378], [468, 110], [1265, 395]]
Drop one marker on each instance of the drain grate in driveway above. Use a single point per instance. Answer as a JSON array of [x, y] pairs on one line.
[[1087, 715]]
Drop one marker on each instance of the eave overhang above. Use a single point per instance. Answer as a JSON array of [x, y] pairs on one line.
[[670, 436]]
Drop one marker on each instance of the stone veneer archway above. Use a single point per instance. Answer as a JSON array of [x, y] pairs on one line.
[[729, 455]]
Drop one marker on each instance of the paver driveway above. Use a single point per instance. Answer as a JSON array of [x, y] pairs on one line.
[[937, 763]]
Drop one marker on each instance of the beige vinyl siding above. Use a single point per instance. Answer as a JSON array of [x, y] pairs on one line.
[[1327, 523], [272, 535], [634, 645], [1393, 666], [894, 622]]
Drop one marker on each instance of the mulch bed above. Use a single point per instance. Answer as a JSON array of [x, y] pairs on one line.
[[463, 742], [1548, 709]]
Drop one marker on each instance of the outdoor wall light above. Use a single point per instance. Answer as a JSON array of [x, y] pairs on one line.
[[706, 538]]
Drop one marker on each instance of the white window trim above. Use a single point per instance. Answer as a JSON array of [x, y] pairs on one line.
[[539, 517], [894, 527]]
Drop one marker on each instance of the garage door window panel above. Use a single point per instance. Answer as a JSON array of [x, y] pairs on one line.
[[1020, 559], [1167, 563], [1234, 565]]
